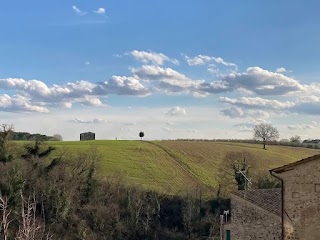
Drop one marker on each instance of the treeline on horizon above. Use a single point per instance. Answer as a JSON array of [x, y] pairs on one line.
[[283, 142], [294, 141], [25, 136]]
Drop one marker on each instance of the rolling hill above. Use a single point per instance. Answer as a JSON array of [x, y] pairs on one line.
[[175, 167]]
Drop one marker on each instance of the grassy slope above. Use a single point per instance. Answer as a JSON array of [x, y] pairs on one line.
[[176, 166], [205, 159]]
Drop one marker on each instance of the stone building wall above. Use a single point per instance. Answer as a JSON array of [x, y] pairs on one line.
[[302, 201], [250, 222]]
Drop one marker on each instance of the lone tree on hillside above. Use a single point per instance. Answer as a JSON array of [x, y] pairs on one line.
[[141, 135], [265, 132]]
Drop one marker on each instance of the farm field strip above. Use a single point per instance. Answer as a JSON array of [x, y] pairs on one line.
[[179, 162], [206, 158], [175, 167]]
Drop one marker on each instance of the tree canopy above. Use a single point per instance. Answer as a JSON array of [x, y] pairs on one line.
[[266, 132], [141, 135]]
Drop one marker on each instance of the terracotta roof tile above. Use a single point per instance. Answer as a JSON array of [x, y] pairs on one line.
[[291, 165], [268, 199]]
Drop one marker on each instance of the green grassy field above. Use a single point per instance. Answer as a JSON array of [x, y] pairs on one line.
[[175, 167]]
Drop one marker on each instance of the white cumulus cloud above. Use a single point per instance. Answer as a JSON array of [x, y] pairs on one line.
[[263, 82], [19, 104], [203, 59], [152, 57], [300, 127], [167, 79], [221, 61], [78, 11], [177, 111], [257, 102], [95, 120], [122, 85], [281, 70], [236, 112], [38, 94], [91, 101], [101, 11], [199, 60]]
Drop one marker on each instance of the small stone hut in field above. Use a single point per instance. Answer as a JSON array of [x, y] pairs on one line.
[[87, 136]]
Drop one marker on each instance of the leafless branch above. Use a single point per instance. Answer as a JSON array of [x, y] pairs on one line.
[[5, 222]]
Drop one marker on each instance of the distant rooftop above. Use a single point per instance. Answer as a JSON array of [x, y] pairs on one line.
[[268, 199]]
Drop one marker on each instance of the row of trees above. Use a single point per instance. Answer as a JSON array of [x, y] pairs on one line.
[[25, 136], [268, 133]]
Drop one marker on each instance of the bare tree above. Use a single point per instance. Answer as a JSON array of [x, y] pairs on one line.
[[30, 228], [265, 132], [234, 168], [264, 181], [5, 222], [57, 137], [296, 139], [191, 213]]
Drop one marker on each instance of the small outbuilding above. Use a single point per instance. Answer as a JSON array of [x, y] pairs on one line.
[[87, 136]]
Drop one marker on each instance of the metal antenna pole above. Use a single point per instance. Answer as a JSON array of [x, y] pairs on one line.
[[245, 179]]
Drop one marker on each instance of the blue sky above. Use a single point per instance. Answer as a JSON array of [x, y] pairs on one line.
[[173, 69]]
